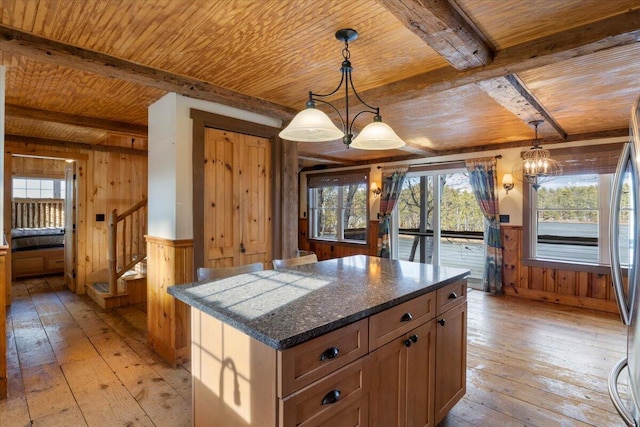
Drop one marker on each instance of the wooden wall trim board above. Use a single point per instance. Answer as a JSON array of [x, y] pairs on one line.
[[563, 286], [169, 262], [4, 250]]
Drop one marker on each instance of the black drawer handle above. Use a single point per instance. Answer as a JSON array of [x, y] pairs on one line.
[[406, 317], [442, 322], [330, 353], [453, 295], [332, 397]]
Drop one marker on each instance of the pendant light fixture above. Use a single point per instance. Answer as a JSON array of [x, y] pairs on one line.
[[537, 166], [313, 125]]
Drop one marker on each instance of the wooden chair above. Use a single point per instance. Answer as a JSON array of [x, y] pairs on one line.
[[290, 262], [210, 274]]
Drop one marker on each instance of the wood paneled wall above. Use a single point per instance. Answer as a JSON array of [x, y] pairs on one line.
[[569, 287], [106, 181], [37, 167], [169, 262], [329, 250]]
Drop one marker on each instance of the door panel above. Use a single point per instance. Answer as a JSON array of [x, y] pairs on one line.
[[237, 198]]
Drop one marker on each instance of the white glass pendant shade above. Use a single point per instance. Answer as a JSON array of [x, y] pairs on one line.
[[311, 125], [377, 136]]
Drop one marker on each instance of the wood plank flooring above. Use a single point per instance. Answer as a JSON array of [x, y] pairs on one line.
[[71, 363]]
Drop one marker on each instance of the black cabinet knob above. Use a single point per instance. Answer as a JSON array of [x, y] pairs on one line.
[[407, 342], [441, 321], [453, 295], [332, 397], [330, 353], [414, 338], [406, 317]]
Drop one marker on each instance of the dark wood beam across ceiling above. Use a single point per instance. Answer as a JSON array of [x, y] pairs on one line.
[[448, 33], [111, 126], [442, 28], [31, 140], [22, 43], [612, 32]]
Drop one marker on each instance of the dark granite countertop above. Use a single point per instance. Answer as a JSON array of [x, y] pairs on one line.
[[282, 308]]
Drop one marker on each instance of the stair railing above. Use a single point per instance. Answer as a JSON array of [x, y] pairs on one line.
[[126, 241]]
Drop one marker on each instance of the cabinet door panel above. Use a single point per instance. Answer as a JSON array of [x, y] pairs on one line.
[[451, 359], [388, 403], [421, 375]]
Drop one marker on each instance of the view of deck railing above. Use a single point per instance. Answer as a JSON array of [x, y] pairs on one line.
[[37, 213], [127, 246]]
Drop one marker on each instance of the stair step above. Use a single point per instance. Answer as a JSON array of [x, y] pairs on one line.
[[99, 292]]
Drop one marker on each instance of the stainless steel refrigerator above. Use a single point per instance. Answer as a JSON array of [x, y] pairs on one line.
[[625, 217]]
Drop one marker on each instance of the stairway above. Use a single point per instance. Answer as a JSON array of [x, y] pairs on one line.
[[124, 280], [132, 287]]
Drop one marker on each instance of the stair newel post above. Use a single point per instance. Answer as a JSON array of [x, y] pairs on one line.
[[113, 253]]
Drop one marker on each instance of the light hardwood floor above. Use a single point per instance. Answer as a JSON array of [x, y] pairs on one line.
[[71, 363]]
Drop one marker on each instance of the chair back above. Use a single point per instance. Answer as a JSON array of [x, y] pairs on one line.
[[210, 274], [290, 262]]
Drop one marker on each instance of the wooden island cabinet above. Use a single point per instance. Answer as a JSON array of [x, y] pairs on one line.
[[358, 341]]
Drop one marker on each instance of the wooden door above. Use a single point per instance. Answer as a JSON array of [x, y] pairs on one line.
[[388, 403], [421, 367], [237, 199], [70, 225], [451, 359]]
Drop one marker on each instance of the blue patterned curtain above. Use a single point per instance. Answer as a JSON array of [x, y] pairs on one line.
[[391, 187], [484, 182]]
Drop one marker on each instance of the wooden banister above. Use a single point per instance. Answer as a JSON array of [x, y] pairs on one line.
[[126, 241]]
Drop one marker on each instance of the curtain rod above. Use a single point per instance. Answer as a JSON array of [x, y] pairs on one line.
[[448, 162]]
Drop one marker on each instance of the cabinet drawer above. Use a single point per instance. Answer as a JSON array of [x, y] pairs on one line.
[[341, 399], [55, 262], [450, 296], [303, 364], [398, 320]]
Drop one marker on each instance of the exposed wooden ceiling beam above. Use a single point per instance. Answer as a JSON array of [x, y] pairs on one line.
[[612, 32], [442, 28], [612, 133], [22, 43], [448, 33], [21, 139], [511, 93], [75, 120]]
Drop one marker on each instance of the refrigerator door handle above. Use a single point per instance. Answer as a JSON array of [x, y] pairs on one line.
[[615, 395], [614, 236]]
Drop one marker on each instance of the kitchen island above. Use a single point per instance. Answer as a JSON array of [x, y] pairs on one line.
[[348, 341]]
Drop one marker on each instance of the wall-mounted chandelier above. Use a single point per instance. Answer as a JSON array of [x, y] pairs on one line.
[[537, 166], [313, 125]]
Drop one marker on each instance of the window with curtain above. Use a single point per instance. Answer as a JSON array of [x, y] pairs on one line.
[[568, 218], [338, 206], [440, 224]]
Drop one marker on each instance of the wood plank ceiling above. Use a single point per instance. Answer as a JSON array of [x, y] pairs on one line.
[[449, 76]]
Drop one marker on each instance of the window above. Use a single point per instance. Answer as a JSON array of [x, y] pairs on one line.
[[338, 206], [38, 188], [440, 224], [568, 217]]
